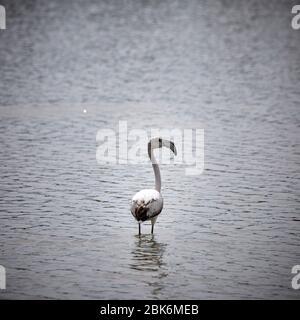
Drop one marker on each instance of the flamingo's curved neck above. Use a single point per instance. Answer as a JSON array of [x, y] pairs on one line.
[[156, 171]]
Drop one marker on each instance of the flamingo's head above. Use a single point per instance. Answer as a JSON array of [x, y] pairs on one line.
[[159, 143]]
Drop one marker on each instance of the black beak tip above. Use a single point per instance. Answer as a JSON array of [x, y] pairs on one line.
[[173, 148]]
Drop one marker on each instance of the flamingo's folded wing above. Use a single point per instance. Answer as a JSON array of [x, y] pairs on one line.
[[154, 208]]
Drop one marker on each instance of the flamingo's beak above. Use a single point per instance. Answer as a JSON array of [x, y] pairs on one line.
[[170, 145], [173, 148]]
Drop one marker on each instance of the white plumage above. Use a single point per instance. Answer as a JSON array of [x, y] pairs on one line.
[[146, 204], [146, 195]]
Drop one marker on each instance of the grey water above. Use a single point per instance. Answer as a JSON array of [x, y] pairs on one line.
[[229, 67]]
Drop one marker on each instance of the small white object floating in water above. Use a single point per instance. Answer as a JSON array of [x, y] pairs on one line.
[[84, 111], [147, 204]]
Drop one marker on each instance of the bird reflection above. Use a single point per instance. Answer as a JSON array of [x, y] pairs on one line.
[[147, 257]]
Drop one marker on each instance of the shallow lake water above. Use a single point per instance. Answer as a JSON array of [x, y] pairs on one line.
[[231, 68]]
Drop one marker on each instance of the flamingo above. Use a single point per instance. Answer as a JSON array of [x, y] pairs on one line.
[[147, 204]]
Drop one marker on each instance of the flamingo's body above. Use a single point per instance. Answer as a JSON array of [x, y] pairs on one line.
[[147, 204]]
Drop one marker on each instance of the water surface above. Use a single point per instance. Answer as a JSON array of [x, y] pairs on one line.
[[231, 68]]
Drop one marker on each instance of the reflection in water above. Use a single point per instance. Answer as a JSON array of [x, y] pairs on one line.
[[147, 256]]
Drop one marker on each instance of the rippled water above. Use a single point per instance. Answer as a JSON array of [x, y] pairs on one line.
[[231, 68]]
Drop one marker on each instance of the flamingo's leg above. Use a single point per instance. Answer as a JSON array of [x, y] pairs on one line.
[[139, 229], [153, 220]]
